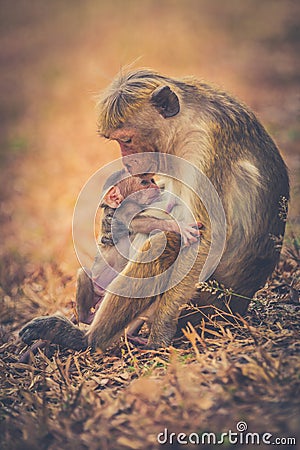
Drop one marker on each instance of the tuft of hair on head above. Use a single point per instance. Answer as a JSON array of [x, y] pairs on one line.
[[127, 92]]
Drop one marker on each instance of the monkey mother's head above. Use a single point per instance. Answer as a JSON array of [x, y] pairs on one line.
[[139, 111]]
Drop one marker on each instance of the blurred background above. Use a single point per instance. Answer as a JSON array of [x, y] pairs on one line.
[[56, 56]]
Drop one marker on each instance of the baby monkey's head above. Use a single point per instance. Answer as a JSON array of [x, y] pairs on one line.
[[141, 189]]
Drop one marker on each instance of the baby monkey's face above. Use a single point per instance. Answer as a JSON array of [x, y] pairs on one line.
[[142, 189]]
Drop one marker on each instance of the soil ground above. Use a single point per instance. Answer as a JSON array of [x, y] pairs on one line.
[[55, 56]]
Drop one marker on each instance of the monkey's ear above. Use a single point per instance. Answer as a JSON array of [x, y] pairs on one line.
[[165, 101], [113, 198]]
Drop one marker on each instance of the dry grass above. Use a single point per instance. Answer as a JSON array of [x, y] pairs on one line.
[[248, 370], [54, 57]]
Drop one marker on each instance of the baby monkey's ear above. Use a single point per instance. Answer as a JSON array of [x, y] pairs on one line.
[[113, 198]]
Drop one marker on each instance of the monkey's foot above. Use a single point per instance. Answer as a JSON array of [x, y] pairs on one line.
[[156, 342], [152, 346], [137, 340], [55, 329]]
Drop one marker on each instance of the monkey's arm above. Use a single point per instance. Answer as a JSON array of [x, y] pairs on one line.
[[146, 224]]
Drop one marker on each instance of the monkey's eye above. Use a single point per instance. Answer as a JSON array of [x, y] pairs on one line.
[[152, 181], [125, 140], [144, 182]]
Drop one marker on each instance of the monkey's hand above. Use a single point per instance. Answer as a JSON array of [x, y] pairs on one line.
[[190, 232], [55, 329]]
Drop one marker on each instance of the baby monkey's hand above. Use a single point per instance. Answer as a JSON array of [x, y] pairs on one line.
[[190, 232]]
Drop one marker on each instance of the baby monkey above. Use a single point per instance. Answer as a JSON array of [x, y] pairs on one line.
[[133, 207], [125, 214]]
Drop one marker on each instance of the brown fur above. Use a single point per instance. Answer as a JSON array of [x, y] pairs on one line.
[[144, 222], [86, 300], [147, 112]]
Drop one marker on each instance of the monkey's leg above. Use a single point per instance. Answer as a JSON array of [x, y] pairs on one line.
[[209, 307], [85, 296], [133, 330], [136, 325], [116, 312], [164, 323]]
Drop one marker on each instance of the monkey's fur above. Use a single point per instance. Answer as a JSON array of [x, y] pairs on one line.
[[134, 216], [147, 112], [116, 188]]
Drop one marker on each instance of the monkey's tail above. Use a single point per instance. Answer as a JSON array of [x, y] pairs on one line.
[[55, 329]]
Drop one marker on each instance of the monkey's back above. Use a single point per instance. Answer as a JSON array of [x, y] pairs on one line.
[[224, 139]]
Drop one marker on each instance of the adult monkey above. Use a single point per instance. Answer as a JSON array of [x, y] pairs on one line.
[[146, 112]]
